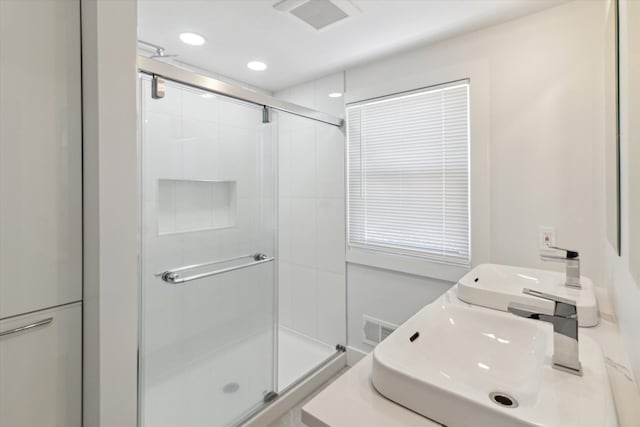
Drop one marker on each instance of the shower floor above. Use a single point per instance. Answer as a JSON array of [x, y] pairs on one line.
[[297, 355], [215, 391]]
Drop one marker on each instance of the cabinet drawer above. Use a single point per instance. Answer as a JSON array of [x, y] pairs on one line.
[[41, 369]]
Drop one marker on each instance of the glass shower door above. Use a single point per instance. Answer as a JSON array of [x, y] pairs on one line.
[[208, 296]]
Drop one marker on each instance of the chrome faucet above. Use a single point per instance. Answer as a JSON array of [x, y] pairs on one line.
[[572, 263], [564, 319]]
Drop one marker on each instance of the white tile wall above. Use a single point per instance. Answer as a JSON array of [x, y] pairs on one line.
[[304, 242], [312, 283], [330, 232], [303, 162], [331, 300], [304, 304]]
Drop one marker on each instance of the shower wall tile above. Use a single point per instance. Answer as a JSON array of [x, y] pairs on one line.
[[165, 211], [164, 252], [286, 230], [331, 300], [285, 176], [330, 235], [304, 246], [171, 103], [161, 135], [329, 156], [198, 107], [238, 114], [239, 159], [203, 130], [202, 155], [285, 286], [163, 322], [200, 247], [303, 162], [304, 301]]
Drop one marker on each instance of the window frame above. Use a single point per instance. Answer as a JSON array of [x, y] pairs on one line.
[[394, 259]]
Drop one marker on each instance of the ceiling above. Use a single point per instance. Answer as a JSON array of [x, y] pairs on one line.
[[238, 31]]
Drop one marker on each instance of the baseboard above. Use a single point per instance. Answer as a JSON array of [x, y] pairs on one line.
[[292, 397], [354, 355]]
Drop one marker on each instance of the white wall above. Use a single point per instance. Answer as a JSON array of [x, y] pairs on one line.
[[538, 105], [544, 99], [545, 73], [111, 203], [311, 227], [386, 295], [624, 289]]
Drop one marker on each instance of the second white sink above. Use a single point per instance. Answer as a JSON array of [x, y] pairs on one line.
[[495, 286]]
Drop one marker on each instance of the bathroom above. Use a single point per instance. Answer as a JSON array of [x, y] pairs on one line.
[[319, 213]]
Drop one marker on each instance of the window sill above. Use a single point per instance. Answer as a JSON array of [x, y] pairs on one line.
[[418, 267]]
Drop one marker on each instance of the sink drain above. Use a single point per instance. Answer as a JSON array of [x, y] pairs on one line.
[[230, 388], [503, 399]]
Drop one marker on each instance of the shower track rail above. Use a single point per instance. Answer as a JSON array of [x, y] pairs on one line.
[[199, 81], [173, 277]]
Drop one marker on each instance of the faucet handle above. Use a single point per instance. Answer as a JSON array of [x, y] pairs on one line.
[[568, 253], [546, 296], [563, 307]]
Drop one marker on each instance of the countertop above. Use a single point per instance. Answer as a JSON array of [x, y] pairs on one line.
[[351, 401]]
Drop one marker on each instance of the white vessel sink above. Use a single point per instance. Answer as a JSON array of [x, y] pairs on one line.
[[495, 286], [466, 360]]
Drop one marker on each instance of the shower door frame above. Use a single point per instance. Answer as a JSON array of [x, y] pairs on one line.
[[199, 81], [159, 70]]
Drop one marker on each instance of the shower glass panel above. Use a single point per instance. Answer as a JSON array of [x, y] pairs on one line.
[[312, 290], [207, 341]]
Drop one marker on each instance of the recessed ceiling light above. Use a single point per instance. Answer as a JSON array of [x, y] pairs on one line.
[[257, 66], [335, 95], [192, 39], [207, 95]]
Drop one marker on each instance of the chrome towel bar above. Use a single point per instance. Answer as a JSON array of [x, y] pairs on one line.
[[27, 327], [172, 276]]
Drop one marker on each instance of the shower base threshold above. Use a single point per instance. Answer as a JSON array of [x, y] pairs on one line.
[[298, 354]]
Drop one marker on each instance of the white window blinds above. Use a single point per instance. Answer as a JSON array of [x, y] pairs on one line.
[[408, 174]]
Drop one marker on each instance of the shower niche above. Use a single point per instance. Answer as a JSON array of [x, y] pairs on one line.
[[195, 205]]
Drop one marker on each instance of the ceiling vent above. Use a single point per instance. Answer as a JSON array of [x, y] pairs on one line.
[[318, 13]]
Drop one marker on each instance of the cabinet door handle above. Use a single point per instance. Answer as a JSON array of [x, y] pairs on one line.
[[27, 327]]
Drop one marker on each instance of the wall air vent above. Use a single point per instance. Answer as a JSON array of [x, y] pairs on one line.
[[375, 330], [318, 13]]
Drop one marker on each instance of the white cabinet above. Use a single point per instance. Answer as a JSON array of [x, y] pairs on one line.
[[40, 155], [40, 369], [40, 214]]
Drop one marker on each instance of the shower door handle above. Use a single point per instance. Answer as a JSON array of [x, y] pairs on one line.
[[173, 276]]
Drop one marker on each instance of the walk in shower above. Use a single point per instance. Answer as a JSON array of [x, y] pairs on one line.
[[214, 348]]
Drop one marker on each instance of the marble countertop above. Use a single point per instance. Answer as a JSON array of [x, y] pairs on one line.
[[352, 401]]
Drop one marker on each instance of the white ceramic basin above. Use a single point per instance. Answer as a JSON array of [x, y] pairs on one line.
[[464, 354], [495, 286]]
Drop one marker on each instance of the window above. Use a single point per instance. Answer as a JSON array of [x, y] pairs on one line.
[[408, 174]]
